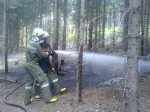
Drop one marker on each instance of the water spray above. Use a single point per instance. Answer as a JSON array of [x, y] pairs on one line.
[[103, 60], [73, 53]]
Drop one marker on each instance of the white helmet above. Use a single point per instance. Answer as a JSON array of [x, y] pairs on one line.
[[45, 34], [38, 32]]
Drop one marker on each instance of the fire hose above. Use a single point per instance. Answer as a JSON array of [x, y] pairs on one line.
[[11, 104]]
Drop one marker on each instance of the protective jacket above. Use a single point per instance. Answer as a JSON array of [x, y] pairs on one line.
[[47, 68], [34, 53]]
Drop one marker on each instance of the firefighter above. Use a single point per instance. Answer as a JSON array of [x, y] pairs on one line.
[[34, 53], [47, 68]]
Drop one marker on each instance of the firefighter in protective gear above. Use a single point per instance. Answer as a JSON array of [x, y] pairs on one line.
[[34, 53], [47, 68]]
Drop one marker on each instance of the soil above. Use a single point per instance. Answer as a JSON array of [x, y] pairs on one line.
[[94, 97], [94, 100]]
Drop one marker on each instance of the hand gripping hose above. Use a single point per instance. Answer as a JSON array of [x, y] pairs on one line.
[[12, 103]]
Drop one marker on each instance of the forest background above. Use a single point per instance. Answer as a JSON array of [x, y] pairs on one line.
[[118, 27]]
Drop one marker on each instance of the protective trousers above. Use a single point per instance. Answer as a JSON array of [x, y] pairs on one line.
[[35, 72], [37, 88], [53, 77]]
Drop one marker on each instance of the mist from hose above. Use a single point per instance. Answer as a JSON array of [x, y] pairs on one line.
[[91, 57], [69, 53], [97, 60]]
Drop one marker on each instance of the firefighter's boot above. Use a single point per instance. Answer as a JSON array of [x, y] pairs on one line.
[[62, 90], [53, 100]]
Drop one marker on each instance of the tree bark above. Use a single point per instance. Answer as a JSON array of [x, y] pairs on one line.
[[125, 27], [56, 35], [142, 27], [5, 32], [96, 24], [37, 13], [41, 13], [99, 22], [104, 19], [91, 24], [64, 29], [147, 16], [80, 56], [26, 28], [114, 20], [131, 104], [78, 24]]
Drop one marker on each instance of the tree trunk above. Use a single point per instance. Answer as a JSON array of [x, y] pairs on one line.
[[131, 88], [78, 24], [64, 29], [5, 32], [114, 19], [41, 13], [125, 27], [91, 24], [147, 20], [80, 56], [147, 26], [104, 18], [87, 4], [99, 22], [96, 24], [50, 25], [37, 13], [142, 27], [12, 37], [56, 35], [18, 35], [86, 32]]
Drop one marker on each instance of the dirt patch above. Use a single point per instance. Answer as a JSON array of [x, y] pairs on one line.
[[95, 99]]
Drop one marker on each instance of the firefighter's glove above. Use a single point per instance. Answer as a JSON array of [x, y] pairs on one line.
[[53, 70], [52, 52]]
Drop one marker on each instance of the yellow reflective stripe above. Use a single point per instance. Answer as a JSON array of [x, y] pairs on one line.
[[44, 85], [31, 47], [55, 80]]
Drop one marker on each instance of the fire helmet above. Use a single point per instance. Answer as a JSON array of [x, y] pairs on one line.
[[38, 32], [45, 34]]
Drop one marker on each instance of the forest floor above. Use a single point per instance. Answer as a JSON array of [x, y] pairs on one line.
[[94, 98]]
